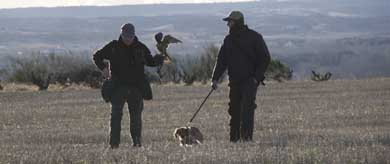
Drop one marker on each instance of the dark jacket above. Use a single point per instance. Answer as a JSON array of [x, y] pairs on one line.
[[244, 54], [126, 62]]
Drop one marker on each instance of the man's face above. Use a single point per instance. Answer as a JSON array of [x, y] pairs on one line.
[[230, 23], [128, 41]]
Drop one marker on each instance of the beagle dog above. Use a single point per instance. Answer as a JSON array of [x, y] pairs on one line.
[[188, 136]]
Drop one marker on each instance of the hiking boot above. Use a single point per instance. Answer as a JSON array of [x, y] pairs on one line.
[[234, 135], [114, 146], [234, 140], [247, 140], [136, 142]]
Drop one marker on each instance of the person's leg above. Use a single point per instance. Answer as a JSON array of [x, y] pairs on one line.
[[135, 104], [234, 112], [248, 110], [117, 103]]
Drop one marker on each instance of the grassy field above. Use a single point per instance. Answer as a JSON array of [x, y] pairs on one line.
[[341, 121]]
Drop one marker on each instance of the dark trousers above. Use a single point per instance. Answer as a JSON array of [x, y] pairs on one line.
[[133, 97], [241, 110]]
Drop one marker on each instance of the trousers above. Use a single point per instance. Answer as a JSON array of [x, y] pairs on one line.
[[241, 110], [134, 99]]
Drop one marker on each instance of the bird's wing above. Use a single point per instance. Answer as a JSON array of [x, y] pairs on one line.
[[170, 39]]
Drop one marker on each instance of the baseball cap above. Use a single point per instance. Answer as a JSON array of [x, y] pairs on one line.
[[234, 15], [128, 31]]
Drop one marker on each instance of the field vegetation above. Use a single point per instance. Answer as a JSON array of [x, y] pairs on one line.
[[337, 121]]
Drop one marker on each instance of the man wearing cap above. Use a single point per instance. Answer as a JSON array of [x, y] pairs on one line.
[[245, 56], [127, 57]]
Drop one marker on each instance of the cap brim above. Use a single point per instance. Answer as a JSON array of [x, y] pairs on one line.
[[226, 19]]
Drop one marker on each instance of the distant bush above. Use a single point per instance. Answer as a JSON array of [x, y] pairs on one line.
[[170, 72], [2, 74], [207, 62], [278, 71], [43, 69], [31, 70], [190, 70], [152, 76], [76, 69], [199, 68]]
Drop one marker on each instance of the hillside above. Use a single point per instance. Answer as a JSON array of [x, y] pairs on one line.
[[350, 38]]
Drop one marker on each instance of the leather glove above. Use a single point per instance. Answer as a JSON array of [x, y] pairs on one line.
[[159, 59], [214, 85], [261, 81]]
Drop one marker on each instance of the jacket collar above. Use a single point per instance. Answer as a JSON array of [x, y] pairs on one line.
[[236, 31]]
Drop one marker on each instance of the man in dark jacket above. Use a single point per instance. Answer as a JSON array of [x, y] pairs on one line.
[[127, 57], [245, 55]]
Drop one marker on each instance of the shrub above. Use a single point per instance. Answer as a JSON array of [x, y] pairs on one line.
[[201, 68], [170, 72], [42, 69], [152, 76], [278, 71], [207, 62], [189, 69], [31, 70]]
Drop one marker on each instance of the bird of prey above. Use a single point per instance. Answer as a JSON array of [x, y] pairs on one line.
[[163, 42]]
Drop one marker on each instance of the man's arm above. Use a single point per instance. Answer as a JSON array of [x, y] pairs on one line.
[[220, 65], [150, 60], [263, 57], [101, 54]]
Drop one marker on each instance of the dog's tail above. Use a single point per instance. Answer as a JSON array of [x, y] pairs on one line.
[[175, 133]]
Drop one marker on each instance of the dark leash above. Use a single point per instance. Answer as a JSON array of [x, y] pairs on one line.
[[200, 107]]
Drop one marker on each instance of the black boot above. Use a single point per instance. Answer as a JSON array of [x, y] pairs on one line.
[[234, 134], [114, 146], [136, 142]]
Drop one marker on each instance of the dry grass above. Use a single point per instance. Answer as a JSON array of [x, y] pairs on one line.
[[296, 122], [19, 87]]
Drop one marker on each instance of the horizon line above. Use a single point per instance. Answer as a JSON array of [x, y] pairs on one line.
[[130, 4]]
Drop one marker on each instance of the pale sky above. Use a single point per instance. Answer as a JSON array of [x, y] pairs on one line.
[[53, 3]]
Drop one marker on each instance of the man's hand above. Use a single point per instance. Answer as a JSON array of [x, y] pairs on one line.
[[258, 82], [214, 85], [106, 73], [167, 60], [255, 81]]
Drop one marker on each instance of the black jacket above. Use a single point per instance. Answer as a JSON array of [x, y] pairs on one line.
[[126, 62], [244, 54]]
